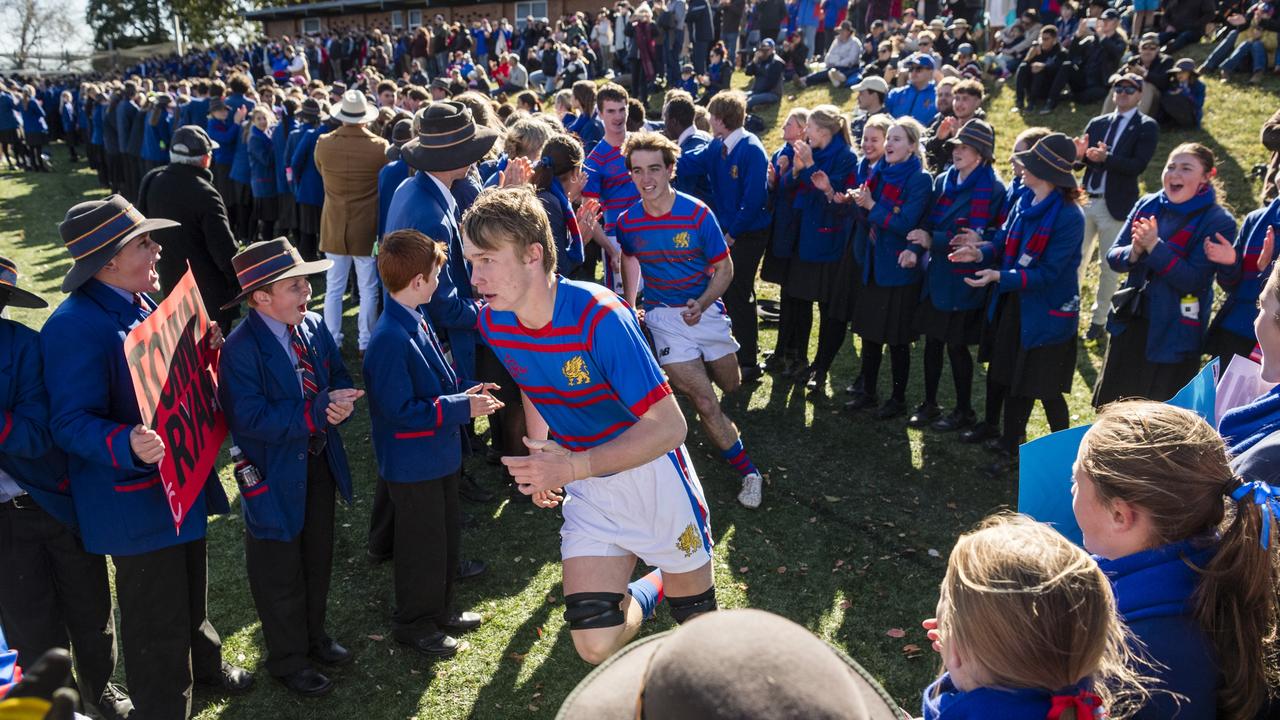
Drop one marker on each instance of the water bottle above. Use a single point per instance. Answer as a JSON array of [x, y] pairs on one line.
[[246, 473]]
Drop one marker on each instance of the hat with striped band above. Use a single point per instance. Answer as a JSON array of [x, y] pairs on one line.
[[94, 231], [1052, 159], [11, 294], [978, 135], [448, 138], [268, 261]]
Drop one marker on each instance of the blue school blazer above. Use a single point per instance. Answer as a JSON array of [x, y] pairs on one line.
[[415, 400], [119, 501], [878, 261], [27, 452], [271, 423], [944, 284]]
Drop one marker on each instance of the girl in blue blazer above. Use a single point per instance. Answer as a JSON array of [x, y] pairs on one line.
[[262, 173], [824, 168], [72, 116], [36, 129], [967, 201], [1189, 544], [286, 213], [1027, 629], [418, 409], [892, 202], [160, 123], [1156, 341], [1242, 270], [792, 348], [1032, 264]]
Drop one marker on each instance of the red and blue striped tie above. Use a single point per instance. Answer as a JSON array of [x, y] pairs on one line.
[[309, 386]]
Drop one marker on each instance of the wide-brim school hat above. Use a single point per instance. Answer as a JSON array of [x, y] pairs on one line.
[[1051, 159], [354, 109], [710, 667], [17, 297], [94, 231], [268, 261], [977, 134], [448, 138]]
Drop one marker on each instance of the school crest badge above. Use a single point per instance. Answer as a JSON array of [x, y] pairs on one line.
[[575, 371], [689, 541], [681, 240], [733, 171]]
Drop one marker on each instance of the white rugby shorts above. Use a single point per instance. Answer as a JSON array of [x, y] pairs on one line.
[[656, 512], [676, 341]]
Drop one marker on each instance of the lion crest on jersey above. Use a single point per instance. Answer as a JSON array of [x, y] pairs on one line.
[[689, 541], [681, 240], [575, 371]]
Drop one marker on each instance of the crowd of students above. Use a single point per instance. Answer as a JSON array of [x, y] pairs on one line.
[[895, 220]]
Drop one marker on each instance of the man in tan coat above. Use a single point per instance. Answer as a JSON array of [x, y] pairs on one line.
[[349, 159]]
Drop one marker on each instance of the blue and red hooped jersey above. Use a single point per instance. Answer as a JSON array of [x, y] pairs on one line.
[[609, 181], [589, 371], [676, 251]]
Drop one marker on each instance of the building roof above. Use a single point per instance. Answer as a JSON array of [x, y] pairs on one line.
[[327, 7]]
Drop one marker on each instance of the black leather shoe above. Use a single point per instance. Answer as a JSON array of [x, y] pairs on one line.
[[955, 420], [468, 569], [114, 703], [232, 679], [436, 646], [979, 433], [862, 402], [776, 362], [469, 489], [1003, 467], [995, 445], [461, 622], [891, 409], [307, 682], [330, 653], [751, 373], [1097, 331], [923, 415], [817, 381]]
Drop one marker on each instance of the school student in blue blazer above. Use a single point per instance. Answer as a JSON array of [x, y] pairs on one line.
[[55, 593], [285, 390], [158, 131], [1242, 274], [262, 174], [968, 199], [795, 321], [1165, 248], [308, 186], [418, 408], [738, 166], [1032, 315], [394, 172], [121, 507], [892, 202]]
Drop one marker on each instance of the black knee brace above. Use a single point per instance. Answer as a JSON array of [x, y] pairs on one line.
[[683, 608], [592, 610]]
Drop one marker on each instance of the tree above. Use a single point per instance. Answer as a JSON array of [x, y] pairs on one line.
[[35, 24], [125, 23]]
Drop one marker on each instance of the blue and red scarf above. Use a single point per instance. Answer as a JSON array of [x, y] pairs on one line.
[[888, 180], [1034, 221], [1245, 426], [823, 159], [980, 185]]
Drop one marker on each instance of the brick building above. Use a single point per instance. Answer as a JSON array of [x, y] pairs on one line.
[[393, 15]]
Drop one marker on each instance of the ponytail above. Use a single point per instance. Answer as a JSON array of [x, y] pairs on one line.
[[1236, 601]]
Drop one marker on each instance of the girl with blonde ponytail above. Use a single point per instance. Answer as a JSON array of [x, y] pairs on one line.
[[1027, 629], [1190, 549]]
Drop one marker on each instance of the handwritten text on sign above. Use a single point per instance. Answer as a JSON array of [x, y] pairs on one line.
[[174, 379]]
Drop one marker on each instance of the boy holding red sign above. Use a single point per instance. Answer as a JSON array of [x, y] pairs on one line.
[[285, 390]]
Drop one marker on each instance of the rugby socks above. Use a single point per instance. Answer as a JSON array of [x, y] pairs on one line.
[[737, 457], [648, 592]]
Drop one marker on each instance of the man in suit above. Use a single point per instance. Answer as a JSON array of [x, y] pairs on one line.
[[286, 390], [121, 506], [448, 145], [55, 594], [349, 159], [1114, 152], [127, 114], [418, 410], [183, 191]]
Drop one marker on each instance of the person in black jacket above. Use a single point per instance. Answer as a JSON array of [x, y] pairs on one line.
[[126, 113], [701, 33], [183, 191], [1033, 79], [767, 69], [1184, 22], [769, 17], [731, 12], [1114, 152], [1091, 63]]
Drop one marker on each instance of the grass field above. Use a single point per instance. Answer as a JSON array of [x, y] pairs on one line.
[[851, 541]]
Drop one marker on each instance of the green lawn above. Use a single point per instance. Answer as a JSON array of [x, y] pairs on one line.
[[852, 539]]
